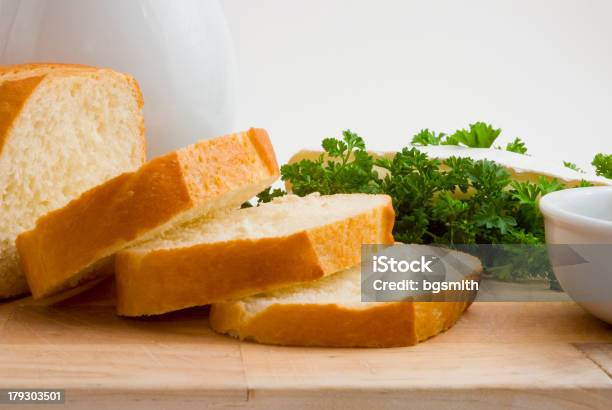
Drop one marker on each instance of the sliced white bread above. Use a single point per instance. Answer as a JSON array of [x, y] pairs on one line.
[[521, 167], [329, 312], [68, 245], [63, 130], [289, 240]]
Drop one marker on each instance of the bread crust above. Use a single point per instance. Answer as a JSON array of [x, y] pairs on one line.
[[34, 69], [260, 140], [14, 96], [382, 324], [137, 92], [160, 281], [103, 220]]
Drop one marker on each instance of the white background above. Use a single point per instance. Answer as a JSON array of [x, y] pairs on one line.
[[540, 70]]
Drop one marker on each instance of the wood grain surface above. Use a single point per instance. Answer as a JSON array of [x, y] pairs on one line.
[[499, 355]]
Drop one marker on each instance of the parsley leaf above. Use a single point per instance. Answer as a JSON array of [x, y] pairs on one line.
[[517, 146], [426, 137], [547, 185], [348, 169], [488, 215], [480, 135], [269, 194], [264, 196], [412, 182], [572, 165], [603, 165], [454, 215]]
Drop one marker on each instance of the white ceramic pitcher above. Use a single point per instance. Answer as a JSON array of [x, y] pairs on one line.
[[179, 51]]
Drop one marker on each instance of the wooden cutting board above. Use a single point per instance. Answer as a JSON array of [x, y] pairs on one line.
[[500, 355]]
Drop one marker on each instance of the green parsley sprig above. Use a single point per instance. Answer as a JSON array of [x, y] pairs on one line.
[[603, 165], [457, 201]]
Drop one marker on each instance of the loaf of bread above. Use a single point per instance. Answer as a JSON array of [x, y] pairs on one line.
[[287, 241], [66, 246], [329, 312], [63, 130]]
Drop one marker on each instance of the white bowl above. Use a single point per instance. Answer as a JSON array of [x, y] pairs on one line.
[[582, 218]]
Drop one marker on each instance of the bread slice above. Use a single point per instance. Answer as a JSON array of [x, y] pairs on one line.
[[63, 130], [287, 241], [67, 245], [329, 312]]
